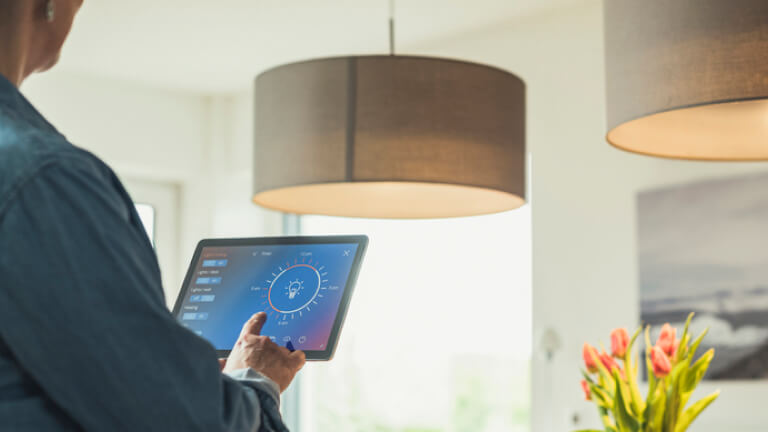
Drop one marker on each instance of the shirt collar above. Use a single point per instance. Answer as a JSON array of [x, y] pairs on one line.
[[12, 100]]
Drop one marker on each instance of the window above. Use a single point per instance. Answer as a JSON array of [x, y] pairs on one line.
[[157, 204], [438, 335], [147, 216]]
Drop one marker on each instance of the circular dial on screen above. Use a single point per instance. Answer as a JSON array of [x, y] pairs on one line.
[[294, 289]]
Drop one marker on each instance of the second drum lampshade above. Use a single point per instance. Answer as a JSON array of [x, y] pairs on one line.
[[688, 78], [389, 137]]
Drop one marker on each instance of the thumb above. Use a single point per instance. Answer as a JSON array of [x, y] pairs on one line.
[[298, 358]]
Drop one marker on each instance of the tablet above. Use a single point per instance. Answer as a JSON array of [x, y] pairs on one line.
[[303, 284]]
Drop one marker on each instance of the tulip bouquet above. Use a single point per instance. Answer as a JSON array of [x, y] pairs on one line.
[[672, 376]]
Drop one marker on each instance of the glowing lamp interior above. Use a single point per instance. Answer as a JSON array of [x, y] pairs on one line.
[[390, 200]]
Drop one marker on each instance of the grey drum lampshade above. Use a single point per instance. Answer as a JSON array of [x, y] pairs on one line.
[[389, 137], [688, 78]]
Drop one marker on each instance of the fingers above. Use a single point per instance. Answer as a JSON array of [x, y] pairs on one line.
[[293, 359], [246, 326], [299, 359], [256, 340], [258, 323], [254, 324]]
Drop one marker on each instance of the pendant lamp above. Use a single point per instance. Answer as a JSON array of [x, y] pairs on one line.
[[389, 137], [688, 79]]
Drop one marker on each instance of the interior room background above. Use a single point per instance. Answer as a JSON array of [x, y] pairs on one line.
[[172, 112]]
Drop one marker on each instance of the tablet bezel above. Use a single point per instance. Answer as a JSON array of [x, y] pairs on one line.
[[341, 312]]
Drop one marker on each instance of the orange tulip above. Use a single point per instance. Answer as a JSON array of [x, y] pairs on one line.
[[660, 362], [667, 341], [611, 364], [619, 342], [589, 358], [587, 392], [608, 361]]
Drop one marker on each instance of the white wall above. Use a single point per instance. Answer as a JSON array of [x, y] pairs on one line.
[[199, 144], [236, 215], [584, 234], [142, 132]]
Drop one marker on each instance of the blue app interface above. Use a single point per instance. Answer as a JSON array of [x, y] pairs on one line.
[[299, 287]]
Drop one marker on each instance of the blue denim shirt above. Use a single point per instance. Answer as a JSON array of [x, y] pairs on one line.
[[86, 342]]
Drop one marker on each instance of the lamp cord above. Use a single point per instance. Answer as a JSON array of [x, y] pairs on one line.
[[391, 27]]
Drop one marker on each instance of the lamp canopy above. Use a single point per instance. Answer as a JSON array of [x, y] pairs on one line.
[[389, 137], [688, 79]]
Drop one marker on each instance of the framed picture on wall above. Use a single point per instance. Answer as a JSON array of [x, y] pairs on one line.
[[703, 247]]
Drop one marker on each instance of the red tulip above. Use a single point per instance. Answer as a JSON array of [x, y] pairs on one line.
[[608, 361], [619, 342], [590, 353], [667, 341], [587, 392], [660, 362], [611, 364]]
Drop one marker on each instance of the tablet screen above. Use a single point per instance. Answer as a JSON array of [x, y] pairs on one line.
[[299, 286]]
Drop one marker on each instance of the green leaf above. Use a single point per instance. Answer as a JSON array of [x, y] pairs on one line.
[[683, 347], [587, 376], [674, 406], [630, 370], [621, 411], [636, 365], [632, 340], [606, 418], [692, 376], [682, 350], [696, 372], [691, 413], [649, 368], [654, 413], [688, 322], [696, 343], [600, 395], [605, 374], [626, 395]]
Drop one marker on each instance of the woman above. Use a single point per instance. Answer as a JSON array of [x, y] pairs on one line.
[[86, 342]]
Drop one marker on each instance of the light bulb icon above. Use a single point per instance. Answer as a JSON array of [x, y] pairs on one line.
[[293, 288]]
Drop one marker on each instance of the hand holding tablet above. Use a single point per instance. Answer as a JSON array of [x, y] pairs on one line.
[[302, 284], [262, 355]]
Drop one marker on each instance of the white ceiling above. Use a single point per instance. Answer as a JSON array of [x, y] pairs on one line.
[[220, 45]]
